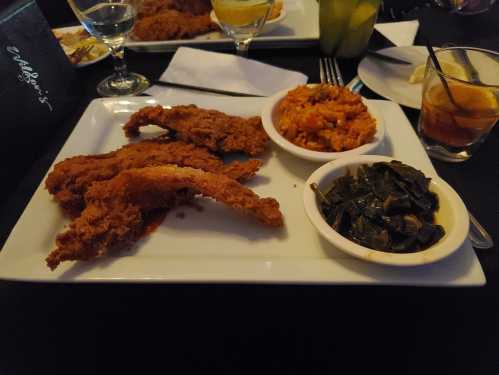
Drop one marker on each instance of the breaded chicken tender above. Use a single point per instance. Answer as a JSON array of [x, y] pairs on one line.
[[114, 214], [71, 178], [172, 24], [213, 129]]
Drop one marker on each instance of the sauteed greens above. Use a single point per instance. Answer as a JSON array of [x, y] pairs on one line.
[[385, 206]]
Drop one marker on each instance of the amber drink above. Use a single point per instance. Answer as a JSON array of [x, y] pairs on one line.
[[456, 114]]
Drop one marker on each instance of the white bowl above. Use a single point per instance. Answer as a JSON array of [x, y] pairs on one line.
[[269, 117], [269, 26], [452, 215]]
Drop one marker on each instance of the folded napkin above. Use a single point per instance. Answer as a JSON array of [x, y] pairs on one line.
[[399, 33], [226, 72]]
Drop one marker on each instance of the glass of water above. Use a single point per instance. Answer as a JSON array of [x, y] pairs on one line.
[[110, 21], [242, 20]]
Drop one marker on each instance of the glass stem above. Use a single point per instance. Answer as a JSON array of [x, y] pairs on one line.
[[120, 68], [242, 47]]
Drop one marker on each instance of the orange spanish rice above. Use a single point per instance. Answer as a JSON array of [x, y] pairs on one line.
[[325, 118]]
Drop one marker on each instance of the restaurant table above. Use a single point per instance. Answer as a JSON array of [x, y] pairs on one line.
[[191, 328]]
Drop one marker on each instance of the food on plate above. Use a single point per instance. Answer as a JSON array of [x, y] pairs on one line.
[[215, 130], [152, 7], [112, 197], [71, 178], [325, 118], [172, 19], [79, 46], [448, 67], [385, 206], [114, 216], [172, 24]]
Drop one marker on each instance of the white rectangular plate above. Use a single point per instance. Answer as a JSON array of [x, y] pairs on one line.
[[300, 28], [217, 244]]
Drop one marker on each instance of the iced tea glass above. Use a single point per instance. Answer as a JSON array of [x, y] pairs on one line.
[[457, 114], [346, 26]]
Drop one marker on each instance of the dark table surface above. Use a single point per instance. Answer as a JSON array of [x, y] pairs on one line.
[[70, 328]]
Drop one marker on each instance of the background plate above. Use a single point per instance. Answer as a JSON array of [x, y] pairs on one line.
[[217, 244], [72, 29], [299, 28]]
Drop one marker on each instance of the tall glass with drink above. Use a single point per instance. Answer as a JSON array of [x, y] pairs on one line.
[[242, 20], [346, 26], [111, 21], [457, 114]]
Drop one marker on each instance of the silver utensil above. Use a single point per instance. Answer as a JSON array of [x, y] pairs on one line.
[[204, 89], [463, 59], [355, 85], [389, 59], [478, 236], [330, 71]]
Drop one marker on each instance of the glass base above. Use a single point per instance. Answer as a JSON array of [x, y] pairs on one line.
[[132, 84], [441, 153]]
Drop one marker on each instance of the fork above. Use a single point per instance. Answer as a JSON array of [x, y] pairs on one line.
[[330, 71]]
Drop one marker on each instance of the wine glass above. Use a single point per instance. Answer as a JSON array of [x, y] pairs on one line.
[[110, 21], [242, 20]]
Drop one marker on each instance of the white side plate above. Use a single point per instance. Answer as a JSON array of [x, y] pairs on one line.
[[392, 80]]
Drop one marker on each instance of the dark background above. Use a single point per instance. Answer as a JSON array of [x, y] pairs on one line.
[[229, 329]]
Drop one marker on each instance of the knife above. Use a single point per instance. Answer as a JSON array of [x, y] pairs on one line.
[[203, 89], [390, 59]]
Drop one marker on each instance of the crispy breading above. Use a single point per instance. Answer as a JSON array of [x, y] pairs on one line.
[[71, 178], [172, 24], [325, 118], [114, 214], [152, 7], [205, 127]]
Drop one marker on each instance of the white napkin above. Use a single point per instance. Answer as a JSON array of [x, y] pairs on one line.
[[226, 72], [399, 33]]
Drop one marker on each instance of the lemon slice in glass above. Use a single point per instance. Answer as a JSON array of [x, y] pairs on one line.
[[448, 67]]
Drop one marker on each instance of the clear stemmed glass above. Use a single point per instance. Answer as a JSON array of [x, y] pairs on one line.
[[242, 20], [110, 21]]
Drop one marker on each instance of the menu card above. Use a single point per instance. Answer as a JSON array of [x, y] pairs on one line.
[[36, 79]]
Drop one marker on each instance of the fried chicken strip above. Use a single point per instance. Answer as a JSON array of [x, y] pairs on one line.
[[172, 24], [115, 209], [204, 127], [71, 178], [153, 7]]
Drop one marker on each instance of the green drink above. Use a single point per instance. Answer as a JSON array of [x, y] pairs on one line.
[[346, 26]]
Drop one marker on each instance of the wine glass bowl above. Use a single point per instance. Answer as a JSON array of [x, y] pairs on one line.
[[110, 22], [242, 20]]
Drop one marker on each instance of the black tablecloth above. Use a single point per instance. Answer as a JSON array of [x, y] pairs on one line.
[[49, 328]]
